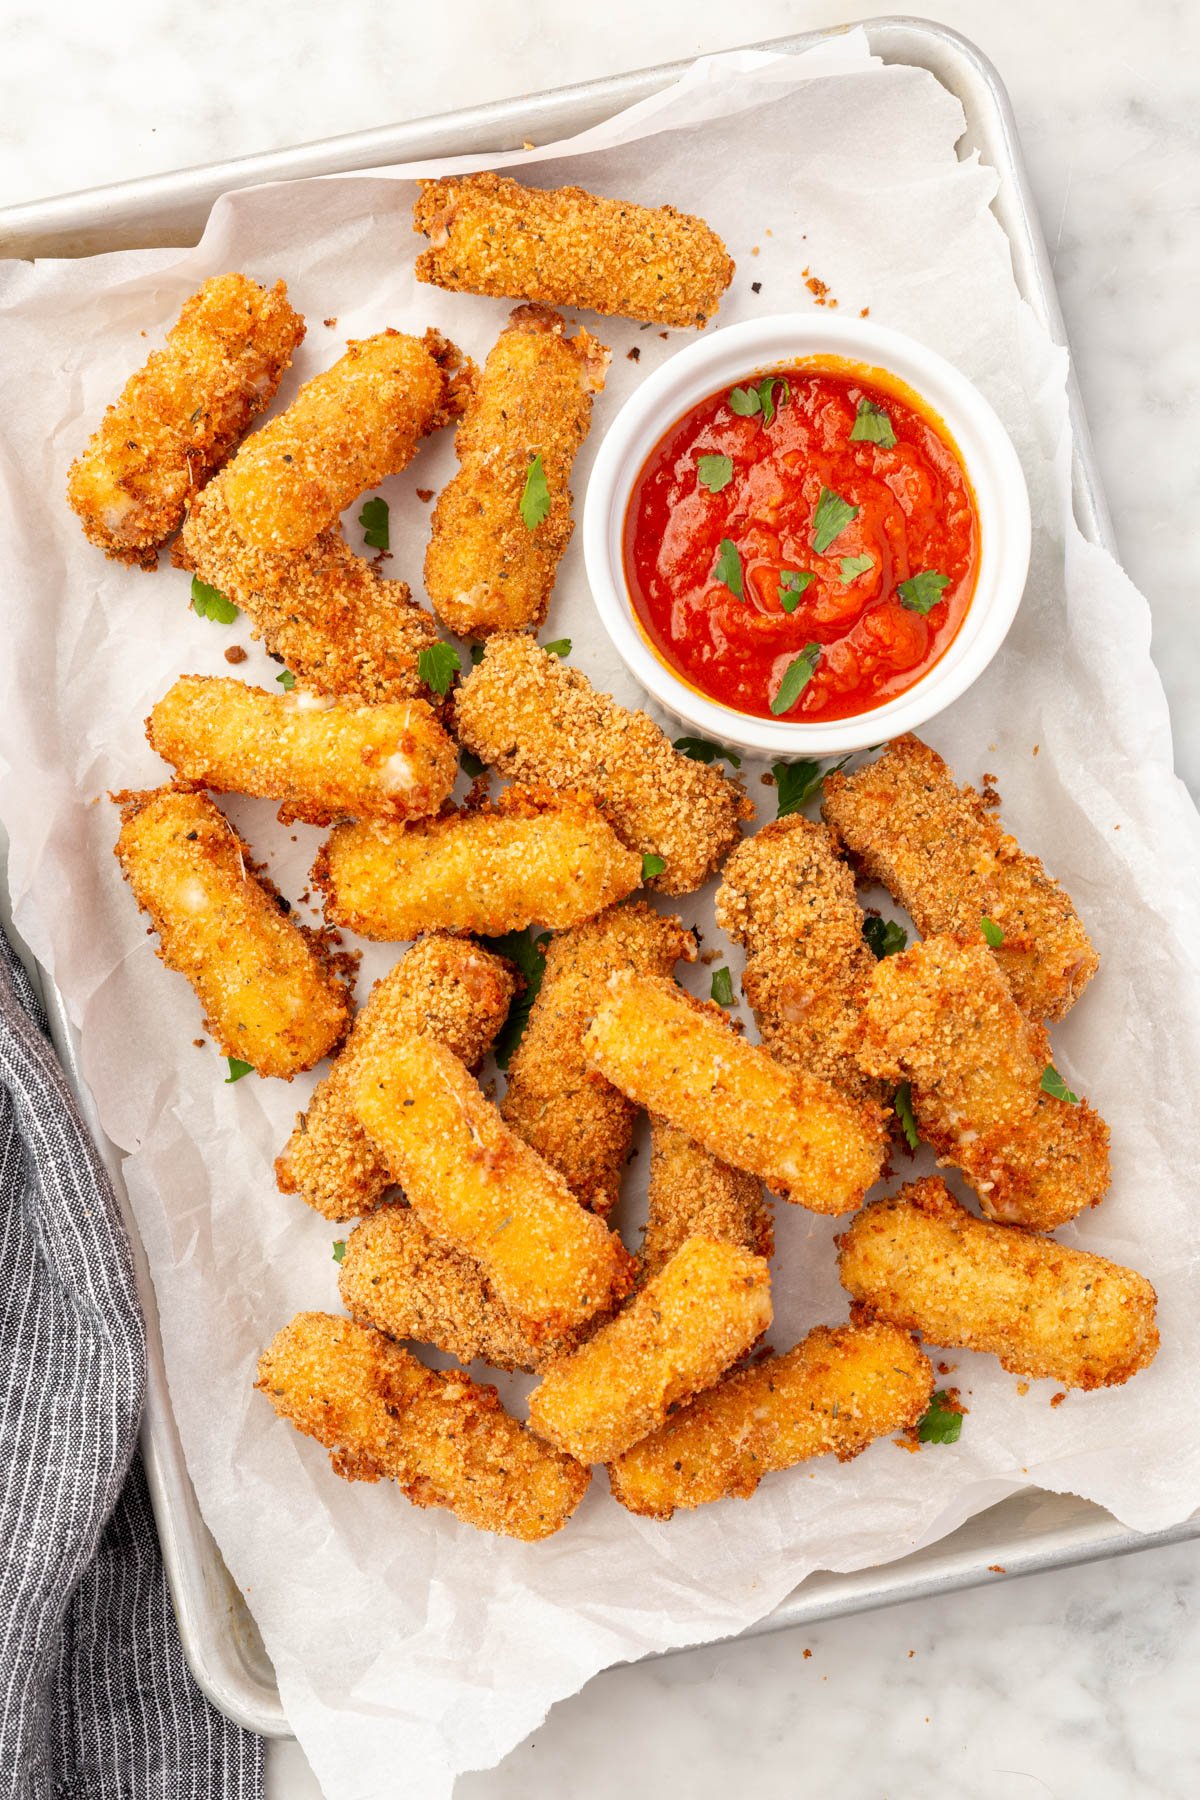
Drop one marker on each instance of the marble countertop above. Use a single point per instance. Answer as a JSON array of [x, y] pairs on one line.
[[1077, 1682]]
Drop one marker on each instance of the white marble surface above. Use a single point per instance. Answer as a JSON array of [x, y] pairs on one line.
[[1066, 1684]]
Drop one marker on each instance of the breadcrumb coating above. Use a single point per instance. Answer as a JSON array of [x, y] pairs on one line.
[[323, 759], [181, 414], [942, 854], [445, 987], [942, 1017], [268, 986], [536, 719], [693, 1193], [788, 898], [566, 247], [348, 428], [476, 1185], [338, 625], [533, 857], [681, 1058], [444, 1439], [704, 1309], [836, 1392], [920, 1260], [485, 569], [570, 1115]]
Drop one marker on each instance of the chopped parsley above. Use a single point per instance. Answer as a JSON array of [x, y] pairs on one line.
[[722, 987], [714, 472], [470, 764], [792, 583], [884, 936], [942, 1423], [748, 402], [1053, 1083], [560, 647], [477, 651], [922, 592], [339, 1249], [286, 680], [535, 496], [703, 750], [991, 932], [796, 678], [729, 568], [872, 425], [210, 603], [902, 1106], [651, 866], [797, 782], [437, 665], [237, 1068], [374, 520], [528, 952], [831, 518], [853, 566]]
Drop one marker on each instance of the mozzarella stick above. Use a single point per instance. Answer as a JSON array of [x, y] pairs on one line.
[[944, 857], [477, 1186], [787, 896], [536, 719], [181, 414], [574, 1118], [941, 1017], [327, 613], [347, 428], [444, 1439], [397, 1276], [445, 987], [268, 986], [706, 1307], [682, 1058], [693, 1193], [533, 857], [835, 1393], [490, 235], [921, 1260], [501, 526]]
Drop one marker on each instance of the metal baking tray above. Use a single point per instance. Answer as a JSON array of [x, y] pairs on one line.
[[1029, 1531]]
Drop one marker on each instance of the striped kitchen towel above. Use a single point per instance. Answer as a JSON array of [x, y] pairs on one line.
[[96, 1701]]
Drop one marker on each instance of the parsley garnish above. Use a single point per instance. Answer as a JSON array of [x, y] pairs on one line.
[[792, 583], [714, 472], [902, 1106], [1053, 1083], [872, 425], [831, 518], [884, 936], [797, 782], [729, 568], [286, 680], [651, 866], [477, 654], [560, 647], [747, 401], [856, 565], [470, 763], [941, 1424], [210, 603], [535, 496], [437, 665], [991, 932], [796, 678], [923, 591], [374, 520], [722, 987], [237, 1068], [701, 750], [527, 951], [339, 1249]]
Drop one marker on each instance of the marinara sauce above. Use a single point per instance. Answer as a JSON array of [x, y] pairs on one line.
[[825, 449]]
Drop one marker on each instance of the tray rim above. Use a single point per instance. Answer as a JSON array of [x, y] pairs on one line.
[[219, 1638]]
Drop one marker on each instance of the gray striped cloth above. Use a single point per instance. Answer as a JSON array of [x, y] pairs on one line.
[[96, 1701]]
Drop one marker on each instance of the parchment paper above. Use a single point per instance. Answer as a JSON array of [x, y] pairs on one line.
[[409, 1647]]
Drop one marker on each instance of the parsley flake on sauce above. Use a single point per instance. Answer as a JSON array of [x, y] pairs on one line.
[[714, 472], [528, 952], [748, 402], [535, 497], [792, 583], [872, 425], [991, 932], [921, 592], [651, 866], [796, 678], [831, 518], [853, 566], [237, 1068], [702, 750], [884, 937], [941, 1424], [729, 568], [374, 520], [902, 1106], [210, 603], [1053, 1083], [437, 665], [722, 987]]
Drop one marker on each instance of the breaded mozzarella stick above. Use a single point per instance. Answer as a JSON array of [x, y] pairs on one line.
[[270, 995], [475, 1184], [835, 1393], [323, 759], [536, 719], [920, 1260], [693, 1193], [944, 857], [490, 235], [707, 1306], [570, 1115], [181, 414], [445, 987], [941, 1016], [681, 1058], [444, 1439], [533, 857], [347, 428], [492, 554]]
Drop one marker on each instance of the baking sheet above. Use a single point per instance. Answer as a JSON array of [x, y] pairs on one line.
[[739, 247]]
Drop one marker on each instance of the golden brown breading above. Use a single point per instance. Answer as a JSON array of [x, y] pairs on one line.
[[572, 1116], [788, 897], [835, 1393], [682, 1058], [444, 1439], [693, 1193], [490, 235], [181, 414], [446, 987], [536, 719], [533, 857], [270, 994], [703, 1310], [941, 1017], [921, 1260], [322, 758], [338, 625], [485, 569], [347, 428], [942, 854], [475, 1184]]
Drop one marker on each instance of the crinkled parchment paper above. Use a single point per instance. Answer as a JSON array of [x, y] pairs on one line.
[[408, 1646]]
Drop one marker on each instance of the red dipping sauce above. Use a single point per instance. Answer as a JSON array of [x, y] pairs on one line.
[[844, 515]]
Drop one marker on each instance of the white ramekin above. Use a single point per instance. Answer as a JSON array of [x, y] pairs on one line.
[[731, 356]]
